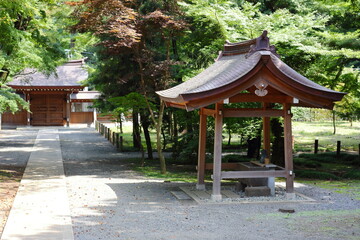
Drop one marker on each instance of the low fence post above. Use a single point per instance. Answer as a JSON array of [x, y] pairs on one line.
[[105, 131], [316, 146], [109, 133], [359, 153], [113, 136], [117, 140], [338, 147], [121, 143]]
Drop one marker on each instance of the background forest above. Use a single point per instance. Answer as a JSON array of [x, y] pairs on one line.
[[136, 47]]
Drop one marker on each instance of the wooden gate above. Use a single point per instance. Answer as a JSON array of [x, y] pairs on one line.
[[47, 109]]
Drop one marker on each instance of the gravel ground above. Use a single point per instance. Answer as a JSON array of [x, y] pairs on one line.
[[109, 201]]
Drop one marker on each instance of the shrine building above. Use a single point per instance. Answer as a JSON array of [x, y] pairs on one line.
[[249, 71], [59, 99]]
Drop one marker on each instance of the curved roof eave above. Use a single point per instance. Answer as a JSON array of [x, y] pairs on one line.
[[228, 84]]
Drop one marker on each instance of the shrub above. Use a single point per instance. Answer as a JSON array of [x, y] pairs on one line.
[[236, 158], [329, 157], [353, 174], [306, 163], [312, 174]]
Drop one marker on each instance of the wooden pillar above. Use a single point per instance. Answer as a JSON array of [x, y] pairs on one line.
[[288, 152], [266, 132], [202, 152], [28, 115], [68, 110], [216, 192]]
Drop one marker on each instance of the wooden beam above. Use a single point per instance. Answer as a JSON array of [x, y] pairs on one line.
[[170, 104], [252, 112], [253, 174], [202, 152], [270, 98], [216, 191], [289, 167], [208, 112]]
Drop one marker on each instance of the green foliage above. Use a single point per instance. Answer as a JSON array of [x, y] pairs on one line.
[[235, 158], [312, 174], [306, 163], [33, 35], [329, 157], [353, 174], [11, 102]]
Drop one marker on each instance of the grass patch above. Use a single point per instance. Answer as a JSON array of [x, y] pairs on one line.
[[171, 175], [11, 174], [348, 187], [5, 174], [312, 174], [305, 134]]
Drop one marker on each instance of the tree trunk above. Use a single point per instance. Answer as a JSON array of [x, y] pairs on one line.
[[145, 124], [334, 121], [157, 121], [159, 149], [229, 142], [175, 137], [136, 131]]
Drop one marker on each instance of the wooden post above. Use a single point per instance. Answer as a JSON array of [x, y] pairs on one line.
[[266, 132], [121, 144], [113, 138], [28, 116], [202, 152], [316, 146], [216, 191], [68, 110], [117, 140], [105, 132], [109, 134], [288, 152], [359, 153], [338, 148]]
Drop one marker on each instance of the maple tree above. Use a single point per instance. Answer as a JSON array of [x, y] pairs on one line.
[[144, 36]]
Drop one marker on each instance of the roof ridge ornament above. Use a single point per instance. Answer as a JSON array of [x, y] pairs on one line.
[[262, 44]]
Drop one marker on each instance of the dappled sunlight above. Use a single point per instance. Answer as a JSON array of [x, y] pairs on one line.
[[21, 149]]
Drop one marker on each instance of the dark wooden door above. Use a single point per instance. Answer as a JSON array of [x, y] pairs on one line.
[[47, 109]]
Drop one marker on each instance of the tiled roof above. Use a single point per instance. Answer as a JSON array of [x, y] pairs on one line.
[[69, 74], [224, 71], [234, 71]]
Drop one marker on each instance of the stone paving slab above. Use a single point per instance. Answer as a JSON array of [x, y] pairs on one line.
[[41, 207]]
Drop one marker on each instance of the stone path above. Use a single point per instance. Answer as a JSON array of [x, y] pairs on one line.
[[41, 208]]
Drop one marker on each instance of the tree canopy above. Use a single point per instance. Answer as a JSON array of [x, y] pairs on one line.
[[147, 45]]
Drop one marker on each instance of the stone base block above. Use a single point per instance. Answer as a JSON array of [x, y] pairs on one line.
[[257, 191]]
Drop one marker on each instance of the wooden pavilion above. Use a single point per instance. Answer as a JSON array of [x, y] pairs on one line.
[[55, 100], [249, 71]]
